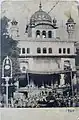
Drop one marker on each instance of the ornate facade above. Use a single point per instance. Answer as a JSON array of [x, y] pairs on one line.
[[44, 57]]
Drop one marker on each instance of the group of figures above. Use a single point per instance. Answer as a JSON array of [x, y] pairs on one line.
[[44, 98]]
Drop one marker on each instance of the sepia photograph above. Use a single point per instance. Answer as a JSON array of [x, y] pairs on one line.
[[39, 65]]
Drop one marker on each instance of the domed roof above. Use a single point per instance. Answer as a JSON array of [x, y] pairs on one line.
[[70, 20], [40, 15], [14, 22]]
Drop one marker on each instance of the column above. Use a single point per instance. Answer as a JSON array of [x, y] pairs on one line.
[[40, 34], [74, 79], [62, 80], [7, 79], [46, 34], [21, 51]]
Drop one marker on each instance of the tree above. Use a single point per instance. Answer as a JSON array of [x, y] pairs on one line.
[[9, 46]]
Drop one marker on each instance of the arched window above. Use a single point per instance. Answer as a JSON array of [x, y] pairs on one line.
[[44, 50], [44, 34], [50, 50], [49, 34], [64, 50], [72, 26], [38, 33], [38, 50], [23, 68], [28, 50], [23, 50], [68, 50], [69, 25], [60, 51]]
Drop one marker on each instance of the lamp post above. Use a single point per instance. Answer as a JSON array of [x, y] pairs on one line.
[[28, 77], [7, 67], [72, 86], [71, 82], [27, 72]]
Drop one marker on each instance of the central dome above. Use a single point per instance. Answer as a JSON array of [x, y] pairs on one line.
[[40, 15]]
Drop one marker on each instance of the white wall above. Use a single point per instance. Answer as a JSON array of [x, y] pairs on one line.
[[47, 43]]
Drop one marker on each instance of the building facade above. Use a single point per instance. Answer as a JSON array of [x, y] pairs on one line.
[[44, 57]]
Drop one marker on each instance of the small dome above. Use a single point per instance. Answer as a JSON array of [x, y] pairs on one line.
[[14, 22], [70, 20], [40, 15]]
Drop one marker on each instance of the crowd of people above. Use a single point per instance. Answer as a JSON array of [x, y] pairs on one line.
[[47, 100], [44, 99]]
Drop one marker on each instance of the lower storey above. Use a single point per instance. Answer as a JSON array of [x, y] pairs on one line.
[[47, 79]]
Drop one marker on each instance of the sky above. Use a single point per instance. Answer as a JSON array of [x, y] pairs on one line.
[[22, 10]]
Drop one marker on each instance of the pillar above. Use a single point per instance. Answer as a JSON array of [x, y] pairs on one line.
[[74, 79], [40, 34], [21, 51], [62, 80], [46, 34]]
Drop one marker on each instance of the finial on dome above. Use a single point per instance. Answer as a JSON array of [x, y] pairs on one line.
[[14, 22], [40, 6], [70, 20], [54, 21]]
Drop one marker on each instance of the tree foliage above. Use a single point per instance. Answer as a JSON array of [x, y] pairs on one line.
[[9, 46]]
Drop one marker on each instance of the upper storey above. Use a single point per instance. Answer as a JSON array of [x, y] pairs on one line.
[[41, 25]]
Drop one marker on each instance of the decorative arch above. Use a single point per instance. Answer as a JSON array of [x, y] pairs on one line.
[[44, 50], [68, 50], [44, 34], [23, 50], [38, 33], [38, 50], [50, 50], [49, 34]]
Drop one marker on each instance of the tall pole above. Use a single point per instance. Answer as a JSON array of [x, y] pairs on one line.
[[28, 77], [72, 87], [7, 79], [7, 65], [72, 83], [27, 72]]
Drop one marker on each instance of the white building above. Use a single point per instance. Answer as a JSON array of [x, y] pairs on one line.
[[44, 56]]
